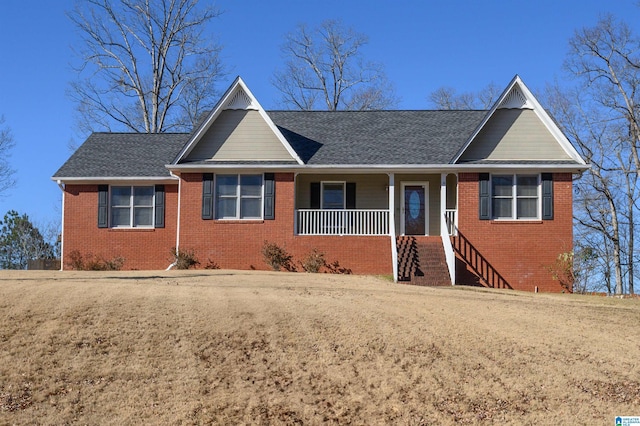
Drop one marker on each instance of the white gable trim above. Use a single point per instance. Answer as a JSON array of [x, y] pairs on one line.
[[512, 97], [237, 96]]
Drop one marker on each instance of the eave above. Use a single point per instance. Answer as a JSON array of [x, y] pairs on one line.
[[379, 168], [116, 179]]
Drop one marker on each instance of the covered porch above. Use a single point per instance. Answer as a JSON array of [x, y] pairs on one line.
[[392, 204]]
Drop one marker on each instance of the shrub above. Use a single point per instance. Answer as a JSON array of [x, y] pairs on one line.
[[313, 262], [335, 268], [184, 259], [277, 257], [90, 262], [562, 271], [212, 264]]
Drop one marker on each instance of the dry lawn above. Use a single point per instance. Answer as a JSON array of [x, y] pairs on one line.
[[226, 347]]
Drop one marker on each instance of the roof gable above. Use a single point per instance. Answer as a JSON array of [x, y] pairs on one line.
[[517, 128], [237, 129]]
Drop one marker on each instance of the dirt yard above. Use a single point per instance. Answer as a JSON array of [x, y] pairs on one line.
[[227, 347]]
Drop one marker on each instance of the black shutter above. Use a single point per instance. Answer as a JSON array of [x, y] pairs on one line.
[[351, 195], [315, 195], [485, 196], [159, 206], [547, 196], [207, 196], [269, 196], [103, 206]]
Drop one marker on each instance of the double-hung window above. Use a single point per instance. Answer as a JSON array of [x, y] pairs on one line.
[[515, 196], [238, 196], [333, 195], [132, 206]]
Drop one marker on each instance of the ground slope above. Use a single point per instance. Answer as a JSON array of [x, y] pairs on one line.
[[267, 348]]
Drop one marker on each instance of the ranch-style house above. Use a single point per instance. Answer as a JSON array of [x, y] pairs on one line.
[[430, 197]]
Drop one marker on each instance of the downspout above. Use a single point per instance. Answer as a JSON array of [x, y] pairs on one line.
[[392, 226], [178, 219], [62, 188]]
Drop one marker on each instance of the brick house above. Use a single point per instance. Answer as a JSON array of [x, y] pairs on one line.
[[433, 197]]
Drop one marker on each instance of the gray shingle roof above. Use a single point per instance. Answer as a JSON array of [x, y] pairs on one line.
[[377, 137], [319, 138], [123, 155]]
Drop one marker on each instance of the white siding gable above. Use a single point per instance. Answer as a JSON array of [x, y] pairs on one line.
[[518, 129], [239, 135], [237, 129]]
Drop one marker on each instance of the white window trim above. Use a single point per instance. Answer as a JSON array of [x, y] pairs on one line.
[[514, 197], [132, 208], [238, 197], [334, 182]]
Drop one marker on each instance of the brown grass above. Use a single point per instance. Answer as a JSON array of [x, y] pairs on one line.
[[227, 347]]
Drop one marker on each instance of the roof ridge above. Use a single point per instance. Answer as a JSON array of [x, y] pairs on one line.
[[140, 133], [377, 110]]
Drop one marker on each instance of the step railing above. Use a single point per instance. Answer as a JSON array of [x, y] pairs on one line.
[[478, 263], [448, 248]]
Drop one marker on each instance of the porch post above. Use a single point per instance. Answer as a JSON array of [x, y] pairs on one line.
[[443, 199], [444, 230], [295, 203], [392, 226]]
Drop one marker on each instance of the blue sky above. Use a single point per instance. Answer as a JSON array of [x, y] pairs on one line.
[[423, 44]]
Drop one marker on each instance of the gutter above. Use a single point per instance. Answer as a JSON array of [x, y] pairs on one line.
[[379, 168]]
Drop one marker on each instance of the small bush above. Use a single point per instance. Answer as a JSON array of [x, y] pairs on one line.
[[335, 268], [184, 259], [277, 257], [90, 262], [211, 264], [563, 272], [313, 262]]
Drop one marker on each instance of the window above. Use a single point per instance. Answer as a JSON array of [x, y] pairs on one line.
[[132, 206], [238, 197], [515, 196], [333, 195]]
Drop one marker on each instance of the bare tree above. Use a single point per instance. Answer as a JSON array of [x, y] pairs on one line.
[[325, 69], [146, 65], [601, 115], [6, 145], [447, 98]]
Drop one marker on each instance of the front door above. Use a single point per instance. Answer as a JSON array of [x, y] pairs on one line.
[[415, 214]]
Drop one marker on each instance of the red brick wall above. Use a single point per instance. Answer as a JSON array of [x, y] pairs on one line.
[[238, 244], [519, 251], [141, 248]]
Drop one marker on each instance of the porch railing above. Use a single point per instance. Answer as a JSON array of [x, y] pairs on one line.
[[342, 222]]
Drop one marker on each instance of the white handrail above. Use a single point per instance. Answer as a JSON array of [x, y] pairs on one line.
[[448, 248]]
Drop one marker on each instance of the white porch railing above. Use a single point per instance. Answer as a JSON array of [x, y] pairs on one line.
[[450, 217], [342, 222]]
